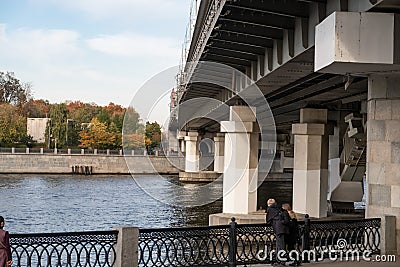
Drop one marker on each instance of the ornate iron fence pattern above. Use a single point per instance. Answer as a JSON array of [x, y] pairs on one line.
[[194, 246], [251, 240], [225, 245], [343, 236], [64, 249], [252, 243]]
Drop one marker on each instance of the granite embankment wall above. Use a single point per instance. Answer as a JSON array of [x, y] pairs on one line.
[[101, 164]]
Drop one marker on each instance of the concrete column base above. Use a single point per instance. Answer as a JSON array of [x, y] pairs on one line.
[[225, 218], [192, 156], [199, 177]]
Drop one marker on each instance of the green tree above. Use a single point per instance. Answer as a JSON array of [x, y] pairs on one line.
[[80, 114], [12, 125], [131, 121], [118, 121], [153, 135], [104, 117], [113, 128], [57, 125]]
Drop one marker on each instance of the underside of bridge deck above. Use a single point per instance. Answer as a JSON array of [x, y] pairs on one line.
[[272, 42], [330, 72]]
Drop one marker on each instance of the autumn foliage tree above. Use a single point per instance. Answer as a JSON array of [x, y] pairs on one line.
[[96, 136], [36, 108], [68, 122]]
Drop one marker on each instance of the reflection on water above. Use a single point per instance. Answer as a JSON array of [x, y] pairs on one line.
[[76, 203]]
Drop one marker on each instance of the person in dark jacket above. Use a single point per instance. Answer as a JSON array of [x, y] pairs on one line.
[[279, 219], [5, 249], [291, 238]]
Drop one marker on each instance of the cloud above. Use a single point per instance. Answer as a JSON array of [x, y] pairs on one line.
[[133, 45], [39, 44], [117, 8], [62, 64]]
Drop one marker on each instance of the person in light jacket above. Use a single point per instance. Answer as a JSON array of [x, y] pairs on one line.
[[5, 249]]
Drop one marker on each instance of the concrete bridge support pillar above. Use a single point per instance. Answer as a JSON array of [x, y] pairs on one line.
[[219, 143], [374, 52], [310, 176], [383, 154], [192, 156], [181, 139], [240, 162]]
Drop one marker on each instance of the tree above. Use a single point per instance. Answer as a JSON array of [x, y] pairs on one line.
[[57, 125], [12, 125], [153, 135], [134, 141], [104, 116], [12, 91], [36, 108], [80, 113], [131, 121], [117, 113], [113, 129], [97, 136]]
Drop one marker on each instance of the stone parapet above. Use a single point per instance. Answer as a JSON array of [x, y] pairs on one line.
[[199, 177], [101, 164]]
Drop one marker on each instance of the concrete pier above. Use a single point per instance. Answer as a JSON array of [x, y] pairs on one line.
[[310, 174]]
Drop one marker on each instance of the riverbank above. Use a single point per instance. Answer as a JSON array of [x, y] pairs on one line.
[[98, 164]]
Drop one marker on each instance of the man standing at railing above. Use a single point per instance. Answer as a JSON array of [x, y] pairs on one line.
[[5, 249], [279, 219]]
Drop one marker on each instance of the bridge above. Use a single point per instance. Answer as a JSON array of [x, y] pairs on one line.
[[327, 72]]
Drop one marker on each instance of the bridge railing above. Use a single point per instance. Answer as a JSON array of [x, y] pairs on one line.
[[64, 249], [102, 152], [253, 243], [210, 20], [224, 245]]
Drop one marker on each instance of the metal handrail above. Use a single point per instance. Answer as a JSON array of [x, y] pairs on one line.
[[222, 245], [234, 244], [96, 248]]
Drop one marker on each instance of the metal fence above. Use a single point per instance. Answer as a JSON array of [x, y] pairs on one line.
[[74, 151], [224, 245], [232, 245], [64, 249], [195, 246], [343, 236]]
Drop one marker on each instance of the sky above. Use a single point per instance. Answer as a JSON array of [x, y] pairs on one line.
[[97, 51]]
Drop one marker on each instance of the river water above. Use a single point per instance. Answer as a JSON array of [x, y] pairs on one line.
[[35, 204]]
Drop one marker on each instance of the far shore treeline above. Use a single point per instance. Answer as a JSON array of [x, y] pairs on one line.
[[72, 124]]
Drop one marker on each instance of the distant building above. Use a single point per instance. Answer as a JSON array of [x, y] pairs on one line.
[[36, 127]]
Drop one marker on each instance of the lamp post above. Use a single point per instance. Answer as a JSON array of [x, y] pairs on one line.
[[66, 131], [49, 134]]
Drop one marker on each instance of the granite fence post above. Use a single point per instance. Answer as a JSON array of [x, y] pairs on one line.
[[127, 246]]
